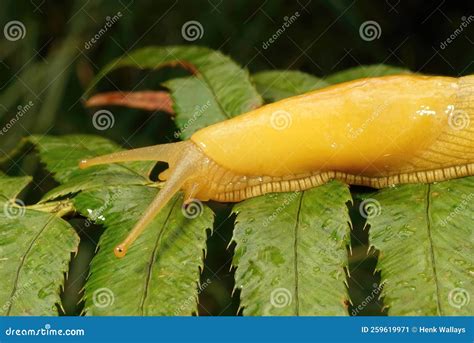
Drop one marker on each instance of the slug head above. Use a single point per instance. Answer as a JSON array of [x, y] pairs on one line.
[[187, 165]]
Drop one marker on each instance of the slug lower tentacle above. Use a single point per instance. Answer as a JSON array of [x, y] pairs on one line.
[[373, 132]]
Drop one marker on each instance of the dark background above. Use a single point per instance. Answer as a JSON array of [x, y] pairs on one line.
[[51, 67]]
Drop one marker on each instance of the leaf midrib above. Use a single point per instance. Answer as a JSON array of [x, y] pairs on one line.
[[295, 249], [202, 75], [153, 257], [213, 92], [22, 262], [432, 254]]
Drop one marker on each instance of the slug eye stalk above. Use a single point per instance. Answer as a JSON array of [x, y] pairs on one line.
[[182, 158]]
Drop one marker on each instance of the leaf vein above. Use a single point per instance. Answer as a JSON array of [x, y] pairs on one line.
[[432, 254], [153, 257], [295, 248], [22, 262]]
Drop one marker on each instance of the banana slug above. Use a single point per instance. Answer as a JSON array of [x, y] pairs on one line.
[[373, 132]]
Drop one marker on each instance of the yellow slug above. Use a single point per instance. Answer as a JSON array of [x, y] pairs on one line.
[[373, 132]]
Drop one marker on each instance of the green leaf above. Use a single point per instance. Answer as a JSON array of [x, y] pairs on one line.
[[291, 252], [63, 154], [160, 273], [229, 84], [424, 235], [10, 187], [35, 249], [275, 85], [194, 105], [360, 72]]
